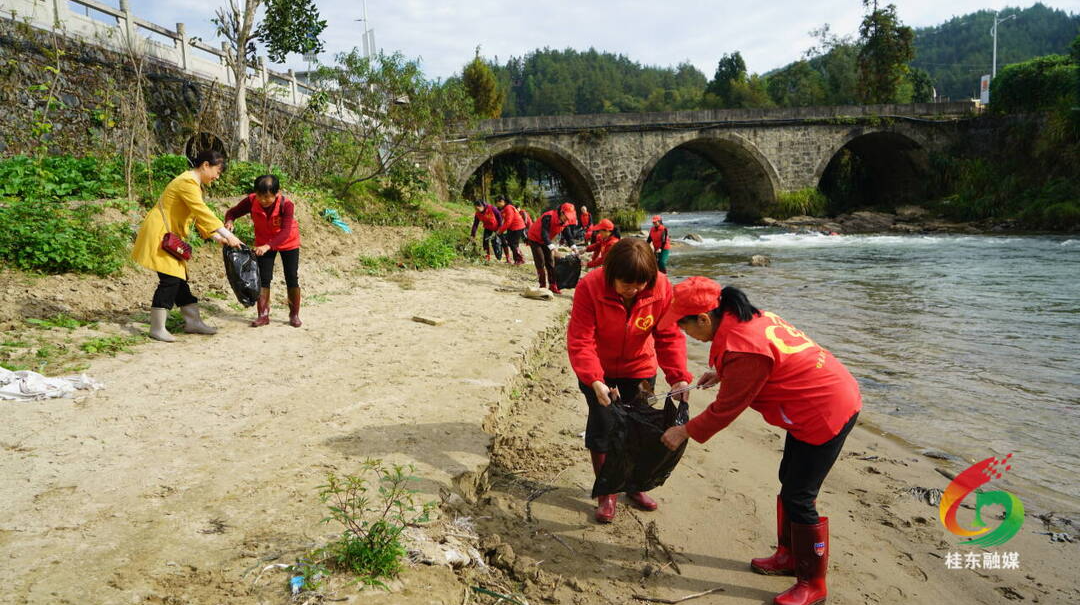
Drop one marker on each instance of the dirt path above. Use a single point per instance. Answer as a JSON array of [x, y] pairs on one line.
[[717, 512], [202, 457]]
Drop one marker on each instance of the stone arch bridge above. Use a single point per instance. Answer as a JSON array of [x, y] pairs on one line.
[[606, 158]]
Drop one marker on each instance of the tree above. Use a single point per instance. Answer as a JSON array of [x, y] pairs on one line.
[[887, 46], [399, 114], [922, 86], [287, 26], [480, 82], [729, 70], [797, 85]]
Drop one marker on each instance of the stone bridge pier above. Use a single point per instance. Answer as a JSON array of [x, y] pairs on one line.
[[761, 153]]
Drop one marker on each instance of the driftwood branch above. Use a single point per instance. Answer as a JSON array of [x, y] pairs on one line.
[[680, 599]]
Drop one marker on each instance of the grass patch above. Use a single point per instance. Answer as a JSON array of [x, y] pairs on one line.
[[628, 219], [803, 202], [111, 345], [59, 321], [440, 249], [376, 265]]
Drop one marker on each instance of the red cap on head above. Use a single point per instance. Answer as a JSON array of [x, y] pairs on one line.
[[690, 297], [605, 225], [657, 219], [567, 209]]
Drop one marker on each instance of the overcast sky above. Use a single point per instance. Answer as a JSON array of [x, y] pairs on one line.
[[444, 34]]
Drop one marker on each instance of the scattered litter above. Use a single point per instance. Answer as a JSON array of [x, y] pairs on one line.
[[679, 600], [335, 219], [931, 495], [431, 321], [870, 458], [25, 385], [939, 455], [296, 584], [500, 597], [1056, 536], [538, 293]]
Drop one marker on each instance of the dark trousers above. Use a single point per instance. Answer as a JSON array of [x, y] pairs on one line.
[[290, 263], [544, 259], [491, 240], [513, 238], [172, 290], [802, 471], [598, 426]]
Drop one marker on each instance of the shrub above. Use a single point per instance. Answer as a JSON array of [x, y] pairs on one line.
[[46, 237], [239, 177], [1036, 85], [808, 201], [373, 507]]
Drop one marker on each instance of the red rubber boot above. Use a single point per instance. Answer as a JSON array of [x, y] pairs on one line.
[[781, 563], [263, 305], [605, 509], [642, 500], [810, 546], [294, 307]]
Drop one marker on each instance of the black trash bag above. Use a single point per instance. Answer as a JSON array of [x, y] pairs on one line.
[[497, 247], [637, 461], [242, 270], [567, 271]]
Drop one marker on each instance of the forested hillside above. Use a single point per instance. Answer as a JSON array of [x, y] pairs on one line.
[[959, 51], [951, 57]]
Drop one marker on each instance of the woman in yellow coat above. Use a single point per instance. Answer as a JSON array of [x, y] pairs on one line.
[[178, 205]]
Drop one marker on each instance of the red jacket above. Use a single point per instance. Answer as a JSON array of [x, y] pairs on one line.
[[604, 340], [585, 219], [275, 225], [554, 228], [511, 218], [658, 237], [601, 248], [489, 217], [807, 390]]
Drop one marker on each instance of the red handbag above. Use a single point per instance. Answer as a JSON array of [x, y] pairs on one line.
[[172, 243]]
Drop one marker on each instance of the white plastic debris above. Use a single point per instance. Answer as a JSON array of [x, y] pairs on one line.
[[25, 385]]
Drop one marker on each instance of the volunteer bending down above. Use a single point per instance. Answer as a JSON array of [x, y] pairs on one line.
[[764, 363], [614, 342]]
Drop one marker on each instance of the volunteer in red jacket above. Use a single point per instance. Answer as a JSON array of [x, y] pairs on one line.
[[488, 216], [541, 236], [604, 241], [765, 363], [661, 242], [584, 221], [513, 228], [614, 342], [276, 232]]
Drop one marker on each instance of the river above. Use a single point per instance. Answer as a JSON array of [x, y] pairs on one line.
[[960, 343]]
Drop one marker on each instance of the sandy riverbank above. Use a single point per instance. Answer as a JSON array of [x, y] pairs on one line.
[[168, 486]]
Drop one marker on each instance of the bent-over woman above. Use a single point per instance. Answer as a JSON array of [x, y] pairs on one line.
[[180, 202]]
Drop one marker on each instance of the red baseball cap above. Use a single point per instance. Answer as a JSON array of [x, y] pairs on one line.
[[605, 225], [571, 214], [656, 218], [692, 296]]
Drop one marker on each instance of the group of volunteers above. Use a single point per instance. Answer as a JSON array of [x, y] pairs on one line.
[[505, 225], [156, 246], [627, 320]]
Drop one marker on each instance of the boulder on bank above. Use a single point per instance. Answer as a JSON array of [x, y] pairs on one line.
[[911, 213], [694, 237], [759, 260], [866, 222]]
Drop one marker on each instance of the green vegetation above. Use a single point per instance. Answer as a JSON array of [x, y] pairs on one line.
[[808, 202], [48, 237], [59, 321], [111, 345], [885, 49], [479, 80], [439, 249], [628, 219], [1041, 84], [683, 180], [372, 507]]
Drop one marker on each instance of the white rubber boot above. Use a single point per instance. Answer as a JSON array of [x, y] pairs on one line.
[[157, 325], [193, 323]]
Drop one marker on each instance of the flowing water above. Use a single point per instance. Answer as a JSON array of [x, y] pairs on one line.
[[960, 343]]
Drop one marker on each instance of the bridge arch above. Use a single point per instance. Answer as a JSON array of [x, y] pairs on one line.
[[580, 181], [894, 164], [749, 178]]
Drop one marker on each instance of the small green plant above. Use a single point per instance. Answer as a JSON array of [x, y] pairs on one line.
[[110, 345], [375, 265], [44, 236], [59, 321], [373, 507]]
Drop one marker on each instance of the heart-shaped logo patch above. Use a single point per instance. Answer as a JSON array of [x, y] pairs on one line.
[[644, 323]]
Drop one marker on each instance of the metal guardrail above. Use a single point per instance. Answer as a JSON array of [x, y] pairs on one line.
[[49, 14]]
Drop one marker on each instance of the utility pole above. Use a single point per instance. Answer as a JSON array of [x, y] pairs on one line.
[[993, 33]]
